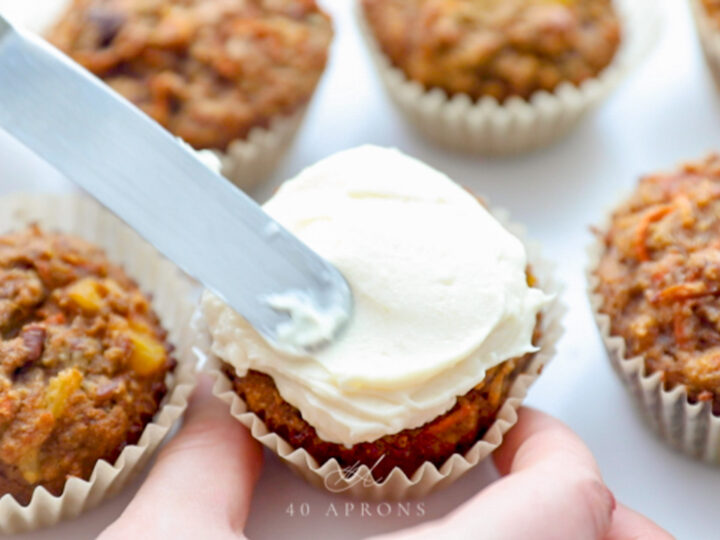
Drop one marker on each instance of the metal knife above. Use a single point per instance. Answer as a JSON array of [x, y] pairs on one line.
[[196, 218]]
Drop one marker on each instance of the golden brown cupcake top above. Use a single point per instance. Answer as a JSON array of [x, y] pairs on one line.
[[660, 276], [83, 361], [207, 70], [498, 48]]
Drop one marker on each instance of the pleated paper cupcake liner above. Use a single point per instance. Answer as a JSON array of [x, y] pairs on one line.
[[428, 478], [171, 298], [490, 128], [248, 162], [690, 428], [709, 35]]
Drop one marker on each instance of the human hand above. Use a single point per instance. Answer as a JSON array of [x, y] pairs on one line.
[[551, 489], [201, 487], [202, 482]]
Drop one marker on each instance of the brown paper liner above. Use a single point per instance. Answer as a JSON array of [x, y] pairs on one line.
[[709, 35], [171, 292], [428, 477], [690, 428], [488, 127]]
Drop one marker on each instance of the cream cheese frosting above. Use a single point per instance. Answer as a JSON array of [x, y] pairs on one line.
[[440, 289]]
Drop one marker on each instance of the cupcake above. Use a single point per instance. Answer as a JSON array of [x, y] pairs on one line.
[[707, 18], [89, 381], [451, 323], [84, 361], [654, 286], [499, 76], [232, 77]]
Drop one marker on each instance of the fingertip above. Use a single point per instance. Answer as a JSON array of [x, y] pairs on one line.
[[538, 437], [206, 473], [208, 422], [202, 397], [627, 523], [207, 413], [544, 454], [530, 421]]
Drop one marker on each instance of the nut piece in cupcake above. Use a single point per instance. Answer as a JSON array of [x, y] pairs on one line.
[[659, 277], [496, 48], [208, 70], [83, 361], [446, 316]]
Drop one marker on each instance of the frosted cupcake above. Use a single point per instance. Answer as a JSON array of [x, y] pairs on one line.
[[448, 315], [232, 77]]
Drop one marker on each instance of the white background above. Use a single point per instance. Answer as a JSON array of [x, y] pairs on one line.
[[667, 111]]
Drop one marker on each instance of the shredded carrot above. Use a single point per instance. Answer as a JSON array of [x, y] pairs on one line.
[[705, 395], [651, 216], [684, 291], [496, 387], [451, 420], [679, 329], [57, 318], [658, 276]]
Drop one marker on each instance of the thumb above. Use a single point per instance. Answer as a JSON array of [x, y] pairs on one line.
[[552, 490], [202, 482]]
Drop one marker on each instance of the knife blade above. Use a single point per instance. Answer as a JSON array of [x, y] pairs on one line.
[[157, 185]]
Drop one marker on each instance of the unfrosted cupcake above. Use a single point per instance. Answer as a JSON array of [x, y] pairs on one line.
[[655, 287], [449, 322], [83, 361], [93, 372], [500, 76], [496, 48], [231, 76]]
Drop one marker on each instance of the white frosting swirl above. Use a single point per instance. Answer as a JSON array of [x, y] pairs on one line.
[[440, 293]]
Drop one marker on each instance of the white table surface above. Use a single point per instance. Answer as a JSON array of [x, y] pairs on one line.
[[667, 111]]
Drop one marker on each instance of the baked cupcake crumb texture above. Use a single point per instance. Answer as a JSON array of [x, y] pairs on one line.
[[208, 70], [659, 277], [453, 432], [83, 361], [497, 48]]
